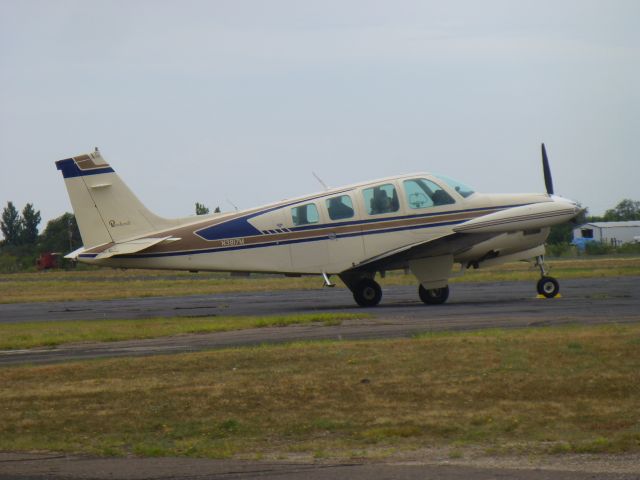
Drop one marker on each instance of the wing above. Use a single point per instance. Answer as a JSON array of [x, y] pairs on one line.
[[450, 244]]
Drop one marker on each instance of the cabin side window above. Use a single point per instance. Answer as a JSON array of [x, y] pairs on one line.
[[381, 199], [340, 207], [423, 193], [305, 214]]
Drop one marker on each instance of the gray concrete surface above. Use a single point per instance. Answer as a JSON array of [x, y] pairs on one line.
[[472, 307], [498, 298]]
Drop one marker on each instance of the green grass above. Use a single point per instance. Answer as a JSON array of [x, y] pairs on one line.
[[102, 284], [548, 390], [39, 334]]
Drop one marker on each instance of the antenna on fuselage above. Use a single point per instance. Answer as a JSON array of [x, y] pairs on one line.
[[324, 185], [231, 203]]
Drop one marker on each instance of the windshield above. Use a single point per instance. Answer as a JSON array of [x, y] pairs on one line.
[[459, 187]]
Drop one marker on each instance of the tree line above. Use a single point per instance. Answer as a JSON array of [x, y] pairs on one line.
[[23, 242]]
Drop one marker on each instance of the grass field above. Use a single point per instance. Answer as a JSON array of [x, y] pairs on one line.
[[529, 391], [102, 284], [41, 334]]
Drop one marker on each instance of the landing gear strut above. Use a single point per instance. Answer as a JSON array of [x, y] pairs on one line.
[[547, 286], [433, 296]]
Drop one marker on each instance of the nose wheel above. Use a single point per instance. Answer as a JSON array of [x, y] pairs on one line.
[[547, 286]]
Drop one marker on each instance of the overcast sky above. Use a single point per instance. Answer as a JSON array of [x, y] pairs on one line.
[[236, 100]]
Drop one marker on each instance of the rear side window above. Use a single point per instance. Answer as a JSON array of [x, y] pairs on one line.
[[381, 199], [305, 214], [340, 207]]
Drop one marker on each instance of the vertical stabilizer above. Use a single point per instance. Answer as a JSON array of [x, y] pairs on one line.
[[105, 208]]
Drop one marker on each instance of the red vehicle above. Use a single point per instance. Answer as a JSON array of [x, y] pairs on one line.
[[48, 260]]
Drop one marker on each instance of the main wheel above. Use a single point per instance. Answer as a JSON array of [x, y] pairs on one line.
[[433, 296], [548, 286], [367, 293]]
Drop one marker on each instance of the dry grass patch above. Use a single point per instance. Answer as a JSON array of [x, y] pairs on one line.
[[106, 284], [39, 334], [559, 390]]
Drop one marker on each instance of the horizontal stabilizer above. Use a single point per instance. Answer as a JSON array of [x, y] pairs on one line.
[[74, 255], [132, 246]]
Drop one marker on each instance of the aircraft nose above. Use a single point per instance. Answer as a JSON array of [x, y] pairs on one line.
[[575, 206]]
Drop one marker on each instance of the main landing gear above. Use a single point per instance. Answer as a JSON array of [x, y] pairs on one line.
[[547, 286], [367, 292], [433, 296]]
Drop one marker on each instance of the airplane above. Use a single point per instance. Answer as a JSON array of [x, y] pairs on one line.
[[420, 222]]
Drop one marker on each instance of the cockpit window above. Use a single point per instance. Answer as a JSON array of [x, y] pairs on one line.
[[461, 188], [305, 214], [423, 193], [381, 199], [340, 207]]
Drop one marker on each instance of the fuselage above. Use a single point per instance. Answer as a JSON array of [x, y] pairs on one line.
[[332, 231]]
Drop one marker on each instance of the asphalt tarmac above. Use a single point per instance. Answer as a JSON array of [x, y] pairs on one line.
[[401, 314], [59, 467]]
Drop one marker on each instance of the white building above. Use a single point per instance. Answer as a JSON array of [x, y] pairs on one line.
[[611, 233]]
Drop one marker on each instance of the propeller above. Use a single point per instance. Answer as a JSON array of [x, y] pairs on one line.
[[548, 182]]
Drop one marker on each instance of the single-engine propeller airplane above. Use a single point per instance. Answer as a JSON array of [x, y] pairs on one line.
[[421, 222]]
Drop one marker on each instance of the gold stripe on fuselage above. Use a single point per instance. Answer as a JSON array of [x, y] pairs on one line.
[[192, 243]]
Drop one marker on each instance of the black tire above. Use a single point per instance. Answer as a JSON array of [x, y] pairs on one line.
[[548, 286], [367, 293], [433, 296]]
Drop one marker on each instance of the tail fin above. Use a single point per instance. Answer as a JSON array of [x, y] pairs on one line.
[[105, 208]]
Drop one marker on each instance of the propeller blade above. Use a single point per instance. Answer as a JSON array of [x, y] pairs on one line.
[[548, 182]]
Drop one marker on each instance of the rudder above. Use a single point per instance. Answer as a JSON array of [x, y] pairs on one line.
[[105, 208]]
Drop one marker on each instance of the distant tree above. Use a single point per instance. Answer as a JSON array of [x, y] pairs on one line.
[[11, 225], [627, 209], [61, 235], [217, 210], [30, 221], [201, 209]]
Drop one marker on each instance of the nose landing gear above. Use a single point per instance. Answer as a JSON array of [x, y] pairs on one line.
[[547, 286]]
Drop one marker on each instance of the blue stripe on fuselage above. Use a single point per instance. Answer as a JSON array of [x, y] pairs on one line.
[[240, 227], [276, 242], [323, 231], [321, 236]]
